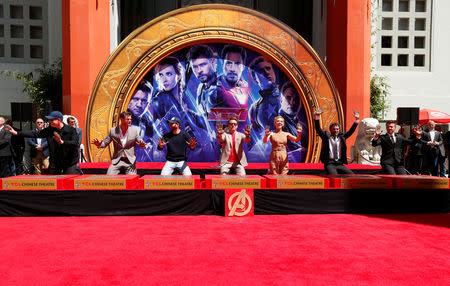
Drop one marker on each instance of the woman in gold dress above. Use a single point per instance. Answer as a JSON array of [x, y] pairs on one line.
[[279, 163]]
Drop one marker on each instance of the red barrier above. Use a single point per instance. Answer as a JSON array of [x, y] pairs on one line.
[[38, 182], [105, 182], [175, 182], [296, 182], [359, 182], [418, 182], [234, 182]]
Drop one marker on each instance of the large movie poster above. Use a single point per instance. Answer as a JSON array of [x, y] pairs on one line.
[[206, 84]]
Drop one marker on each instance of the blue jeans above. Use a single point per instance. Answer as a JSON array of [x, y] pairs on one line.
[[170, 166]]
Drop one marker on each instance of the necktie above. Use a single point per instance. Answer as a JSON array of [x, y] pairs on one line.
[[392, 139]]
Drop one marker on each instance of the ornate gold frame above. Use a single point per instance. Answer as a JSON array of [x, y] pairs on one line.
[[212, 23]]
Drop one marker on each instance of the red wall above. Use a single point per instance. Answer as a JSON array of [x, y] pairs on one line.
[[348, 54], [85, 50]]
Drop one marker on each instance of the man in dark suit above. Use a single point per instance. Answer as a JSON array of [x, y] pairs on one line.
[[334, 147], [5, 150], [62, 141], [17, 148], [392, 148], [434, 150], [39, 153], [124, 138]]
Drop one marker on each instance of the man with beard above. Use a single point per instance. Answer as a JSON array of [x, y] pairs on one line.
[[203, 64], [63, 144], [124, 138], [267, 107], [334, 147], [142, 118], [232, 155], [292, 112], [39, 150], [392, 146], [139, 102], [176, 141], [232, 90]]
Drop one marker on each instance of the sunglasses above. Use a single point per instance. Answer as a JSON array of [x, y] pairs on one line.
[[232, 123]]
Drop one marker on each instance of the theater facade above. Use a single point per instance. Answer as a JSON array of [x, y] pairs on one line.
[[102, 83]]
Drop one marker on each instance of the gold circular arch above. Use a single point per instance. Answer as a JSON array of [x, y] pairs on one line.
[[211, 23]]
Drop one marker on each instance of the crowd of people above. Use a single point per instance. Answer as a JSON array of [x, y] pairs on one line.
[[56, 147]]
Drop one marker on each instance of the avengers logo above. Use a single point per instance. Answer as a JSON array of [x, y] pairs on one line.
[[239, 204]]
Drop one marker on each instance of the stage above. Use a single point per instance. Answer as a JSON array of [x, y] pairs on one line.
[[154, 168], [101, 195]]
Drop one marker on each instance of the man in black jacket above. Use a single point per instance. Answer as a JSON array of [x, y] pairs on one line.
[[17, 148], [5, 150], [39, 149], [392, 148], [63, 144], [334, 147]]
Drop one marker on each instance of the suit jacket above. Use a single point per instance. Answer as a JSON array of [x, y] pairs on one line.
[[61, 156], [79, 135], [227, 142], [120, 150], [440, 149], [325, 136], [5, 146], [392, 153], [33, 143]]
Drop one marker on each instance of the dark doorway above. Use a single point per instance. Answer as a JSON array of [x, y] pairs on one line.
[[297, 14]]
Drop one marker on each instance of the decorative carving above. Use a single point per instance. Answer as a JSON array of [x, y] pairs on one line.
[[209, 24], [363, 152], [245, 3]]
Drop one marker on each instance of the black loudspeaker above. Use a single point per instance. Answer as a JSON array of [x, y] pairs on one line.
[[27, 111], [15, 111], [22, 111], [408, 115]]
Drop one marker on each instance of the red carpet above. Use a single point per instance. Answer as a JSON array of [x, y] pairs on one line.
[[211, 250]]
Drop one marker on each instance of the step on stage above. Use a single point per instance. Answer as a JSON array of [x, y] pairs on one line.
[[212, 194]]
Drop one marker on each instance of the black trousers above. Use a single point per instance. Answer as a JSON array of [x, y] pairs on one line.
[[336, 167], [393, 169], [71, 170], [5, 166], [416, 164], [431, 161]]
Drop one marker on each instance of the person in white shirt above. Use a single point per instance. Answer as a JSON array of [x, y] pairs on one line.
[[334, 147], [124, 137], [39, 153], [434, 142]]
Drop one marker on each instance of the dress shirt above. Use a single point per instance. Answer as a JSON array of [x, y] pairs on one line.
[[335, 150]]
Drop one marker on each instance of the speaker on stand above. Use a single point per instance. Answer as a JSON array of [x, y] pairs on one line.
[[408, 115]]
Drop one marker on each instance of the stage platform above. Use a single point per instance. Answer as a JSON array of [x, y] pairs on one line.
[[202, 169], [101, 195]]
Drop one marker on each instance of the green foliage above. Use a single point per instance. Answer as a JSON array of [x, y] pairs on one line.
[[379, 92], [42, 84]]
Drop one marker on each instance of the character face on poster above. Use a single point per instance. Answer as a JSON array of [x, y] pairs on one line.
[[207, 84]]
